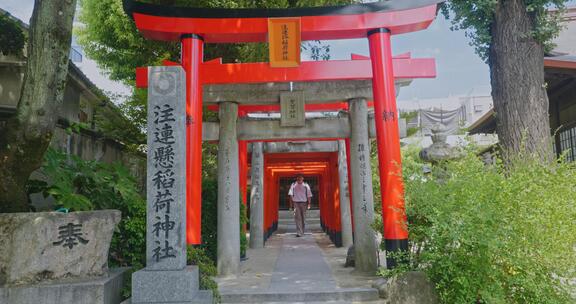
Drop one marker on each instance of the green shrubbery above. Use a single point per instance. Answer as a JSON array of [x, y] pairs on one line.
[[490, 234], [210, 217], [198, 256], [243, 223], [78, 185]]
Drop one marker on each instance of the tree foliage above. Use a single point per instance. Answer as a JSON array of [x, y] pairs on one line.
[[477, 17], [512, 36], [25, 136], [110, 37], [490, 234], [12, 38], [78, 184]]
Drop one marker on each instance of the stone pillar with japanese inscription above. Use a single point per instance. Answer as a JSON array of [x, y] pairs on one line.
[[166, 278], [345, 214], [257, 197], [228, 252], [365, 248]]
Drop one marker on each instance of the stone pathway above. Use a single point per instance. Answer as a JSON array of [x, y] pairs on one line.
[[292, 269], [301, 266]]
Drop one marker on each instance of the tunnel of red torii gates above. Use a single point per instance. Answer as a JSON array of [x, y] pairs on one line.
[[333, 150]]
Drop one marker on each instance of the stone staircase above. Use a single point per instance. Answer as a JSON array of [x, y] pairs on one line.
[[343, 295], [286, 218]]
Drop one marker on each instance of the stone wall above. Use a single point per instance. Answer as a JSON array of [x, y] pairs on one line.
[[92, 147], [82, 99]]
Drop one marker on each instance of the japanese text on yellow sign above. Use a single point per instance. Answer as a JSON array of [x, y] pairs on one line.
[[284, 42]]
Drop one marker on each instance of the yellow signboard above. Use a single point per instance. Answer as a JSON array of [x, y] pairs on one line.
[[284, 42]]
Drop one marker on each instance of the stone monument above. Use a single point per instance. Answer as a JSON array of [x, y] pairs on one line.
[[58, 258], [166, 277]]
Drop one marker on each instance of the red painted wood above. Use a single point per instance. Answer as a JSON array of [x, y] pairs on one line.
[[387, 136], [232, 30], [242, 164], [269, 187], [336, 191], [192, 54], [142, 77], [261, 72], [321, 164]]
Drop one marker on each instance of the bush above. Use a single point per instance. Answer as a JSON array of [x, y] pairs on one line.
[[243, 222], [210, 217], [489, 234], [78, 184], [198, 256]]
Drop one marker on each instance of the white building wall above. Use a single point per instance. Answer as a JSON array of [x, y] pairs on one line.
[[566, 40], [472, 106]]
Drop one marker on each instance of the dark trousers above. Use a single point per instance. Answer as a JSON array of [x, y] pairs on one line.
[[300, 216]]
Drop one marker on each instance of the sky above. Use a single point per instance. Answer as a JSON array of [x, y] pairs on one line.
[[22, 9], [459, 70]]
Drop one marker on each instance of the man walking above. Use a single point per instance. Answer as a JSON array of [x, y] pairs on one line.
[[300, 198]]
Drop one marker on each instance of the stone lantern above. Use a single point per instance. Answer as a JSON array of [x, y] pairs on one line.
[[440, 150]]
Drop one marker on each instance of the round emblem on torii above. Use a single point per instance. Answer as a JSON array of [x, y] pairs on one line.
[[165, 84]]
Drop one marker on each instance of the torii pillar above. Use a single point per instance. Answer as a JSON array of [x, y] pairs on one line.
[[192, 54], [365, 249], [228, 251], [257, 197], [388, 140]]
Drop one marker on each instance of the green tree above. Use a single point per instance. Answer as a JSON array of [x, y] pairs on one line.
[[512, 36], [26, 136], [491, 233], [12, 38], [110, 37]]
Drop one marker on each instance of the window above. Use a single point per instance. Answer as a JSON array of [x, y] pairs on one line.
[[75, 55], [568, 143], [82, 116]]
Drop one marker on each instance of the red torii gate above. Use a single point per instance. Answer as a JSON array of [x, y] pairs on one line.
[[377, 21], [320, 164]]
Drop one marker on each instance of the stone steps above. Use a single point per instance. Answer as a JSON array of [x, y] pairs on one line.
[[309, 221], [202, 296], [332, 302], [343, 295], [286, 218], [286, 214]]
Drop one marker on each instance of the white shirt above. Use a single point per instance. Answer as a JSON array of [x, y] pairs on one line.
[[300, 192]]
